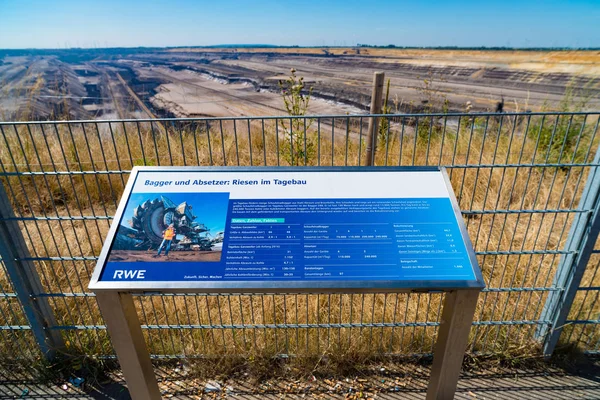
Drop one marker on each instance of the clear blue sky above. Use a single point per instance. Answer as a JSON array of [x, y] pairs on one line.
[[110, 23], [209, 208]]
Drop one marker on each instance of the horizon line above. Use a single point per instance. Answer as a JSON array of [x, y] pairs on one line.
[[360, 45]]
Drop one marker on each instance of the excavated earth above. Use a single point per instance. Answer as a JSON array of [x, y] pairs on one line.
[[146, 83]]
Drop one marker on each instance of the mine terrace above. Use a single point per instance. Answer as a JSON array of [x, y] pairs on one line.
[[225, 82]]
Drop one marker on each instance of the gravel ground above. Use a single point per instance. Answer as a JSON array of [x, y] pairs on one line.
[[407, 381]]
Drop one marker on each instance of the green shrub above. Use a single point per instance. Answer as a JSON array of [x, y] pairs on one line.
[[298, 146], [557, 140], [562, 138]]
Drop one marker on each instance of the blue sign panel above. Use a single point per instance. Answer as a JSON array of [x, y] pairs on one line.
[[272, 229]]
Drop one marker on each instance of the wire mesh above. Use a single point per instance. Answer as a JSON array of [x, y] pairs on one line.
[[518, 179], [16, 338]]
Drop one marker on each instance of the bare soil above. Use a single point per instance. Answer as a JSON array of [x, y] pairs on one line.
[[199, 82], [150, 256]]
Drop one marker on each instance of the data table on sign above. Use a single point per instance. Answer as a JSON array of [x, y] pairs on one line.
[[263, 250], [334, 250], [389, 250]]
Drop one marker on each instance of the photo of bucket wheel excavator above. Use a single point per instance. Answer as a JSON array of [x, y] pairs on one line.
[[152, 217]]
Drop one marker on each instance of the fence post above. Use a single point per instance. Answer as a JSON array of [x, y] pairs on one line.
[[25, 280], [376, 98], [580, 244]]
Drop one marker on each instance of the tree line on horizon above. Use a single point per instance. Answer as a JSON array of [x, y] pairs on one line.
[[36, 51]]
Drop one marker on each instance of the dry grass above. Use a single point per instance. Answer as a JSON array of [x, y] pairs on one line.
[[490, 172]]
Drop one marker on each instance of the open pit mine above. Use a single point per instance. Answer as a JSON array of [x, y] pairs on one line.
[[223, 82]]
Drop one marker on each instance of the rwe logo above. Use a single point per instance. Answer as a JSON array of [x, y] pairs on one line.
[[129, 274]]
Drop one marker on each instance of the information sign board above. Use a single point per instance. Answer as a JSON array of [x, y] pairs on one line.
[[264, 229]]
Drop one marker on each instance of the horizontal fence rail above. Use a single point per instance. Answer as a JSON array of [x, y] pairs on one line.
[[518, 177]]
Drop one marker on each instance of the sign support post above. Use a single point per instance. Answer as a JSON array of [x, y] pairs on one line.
[[452, 339], [126, 335]]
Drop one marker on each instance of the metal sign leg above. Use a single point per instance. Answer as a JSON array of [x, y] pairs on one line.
[[124, 328], [453, 336]]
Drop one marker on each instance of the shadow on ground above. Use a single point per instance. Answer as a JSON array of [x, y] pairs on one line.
[[398, 381]]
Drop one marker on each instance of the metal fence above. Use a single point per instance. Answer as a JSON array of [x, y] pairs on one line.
[[527, 185]]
